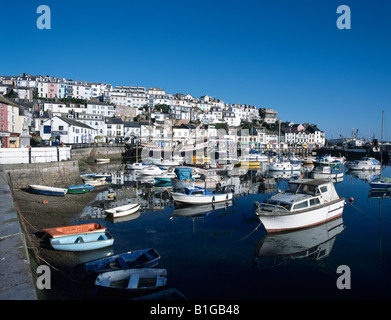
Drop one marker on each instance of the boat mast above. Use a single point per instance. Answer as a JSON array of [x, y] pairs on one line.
[[381, 152]]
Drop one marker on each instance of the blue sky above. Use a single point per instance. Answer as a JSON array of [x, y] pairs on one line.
[[281, 54]]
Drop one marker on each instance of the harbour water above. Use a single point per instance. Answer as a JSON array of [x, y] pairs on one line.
[[223, 252]]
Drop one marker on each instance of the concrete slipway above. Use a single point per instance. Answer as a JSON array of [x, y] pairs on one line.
[[16, 281]]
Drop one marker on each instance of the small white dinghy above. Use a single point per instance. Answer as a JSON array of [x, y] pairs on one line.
[[123, 210], [133, 279]]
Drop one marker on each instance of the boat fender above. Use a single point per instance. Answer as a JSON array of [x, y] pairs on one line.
[[226, 197], [213, 199]]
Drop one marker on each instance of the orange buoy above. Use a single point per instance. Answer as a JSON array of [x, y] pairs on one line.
[[45, 202], [351, 200]]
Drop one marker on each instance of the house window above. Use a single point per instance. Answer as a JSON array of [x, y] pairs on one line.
[[47, 129], [60, 128]]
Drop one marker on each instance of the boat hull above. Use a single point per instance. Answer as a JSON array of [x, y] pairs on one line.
[[283, 167], [302, 219], [80, 189], [380, 186], [146, 258], [320, 175], [82, 242], [123, 210], [76, 229], [200, 199], [133, 279], [49, 191]]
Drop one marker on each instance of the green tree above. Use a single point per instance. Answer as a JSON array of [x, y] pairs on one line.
[[221, 125], [246, 125], [162, 107], [12, 94]]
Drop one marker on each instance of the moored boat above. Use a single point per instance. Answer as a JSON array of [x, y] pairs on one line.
[[133, 279], [145, 258], [102, 160], [283, 166], [136, 165], [123, 210], [47, 190], [381, 184], [251, 160], [165, 162], [96, 182], [198, 195], [83, 188], [305, 203], [165, 176], [150, 170], [327, 172], [76, 229], [82, 242], [365, 163]]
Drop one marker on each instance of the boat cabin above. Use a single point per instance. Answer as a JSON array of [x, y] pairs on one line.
[[302, 194]]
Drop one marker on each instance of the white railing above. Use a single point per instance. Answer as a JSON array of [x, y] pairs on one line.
[[34, 155]]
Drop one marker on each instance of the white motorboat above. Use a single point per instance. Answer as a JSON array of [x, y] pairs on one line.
[[365, 163], [123, 210], [328, 160], [150, 170], [198, 195], [326, 173], [283, 166], [136, 166], [252, 160], [166, 162], [305, 203]]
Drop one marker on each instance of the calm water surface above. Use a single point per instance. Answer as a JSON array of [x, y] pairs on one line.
[[223, 252]]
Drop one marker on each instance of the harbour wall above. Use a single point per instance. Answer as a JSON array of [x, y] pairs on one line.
[[56, 174], [92, 153]]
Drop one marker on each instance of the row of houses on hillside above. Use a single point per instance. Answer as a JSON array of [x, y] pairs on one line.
[[129, 99], [56, 124]]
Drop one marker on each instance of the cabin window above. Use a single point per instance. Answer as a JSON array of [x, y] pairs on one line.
[[308, 189], [300, 205], [292, 187], [323, 189], [314, 202]]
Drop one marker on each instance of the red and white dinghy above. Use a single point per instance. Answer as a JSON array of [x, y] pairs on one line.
[[76, 229]]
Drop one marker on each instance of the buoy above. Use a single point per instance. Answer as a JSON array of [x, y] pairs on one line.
[[45, 202], [351, 200]]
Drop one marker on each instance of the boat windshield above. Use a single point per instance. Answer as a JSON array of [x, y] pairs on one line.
[[284, 205], [301, 188], [193, 192]]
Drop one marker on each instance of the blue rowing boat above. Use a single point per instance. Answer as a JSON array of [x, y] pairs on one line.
[[82, 242], [47, 190], [145, 258]]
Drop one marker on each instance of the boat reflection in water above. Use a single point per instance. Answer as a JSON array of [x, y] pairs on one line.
[[313, 243], [198, 212]]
